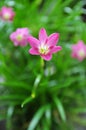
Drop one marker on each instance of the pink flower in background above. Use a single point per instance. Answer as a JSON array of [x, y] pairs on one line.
[[0, 13], [45, 46], [20, 36], [79, 51], [7, 13]]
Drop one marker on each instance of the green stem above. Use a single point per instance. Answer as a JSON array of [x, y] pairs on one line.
[[42, 63]]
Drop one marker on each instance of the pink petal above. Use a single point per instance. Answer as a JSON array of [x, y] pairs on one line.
[[42, 35], [16, 44], [23, 43], [22, 31], [53, 39], [73, 55], [47, 57], [80, 58], [33, 41], [12, 36], [33, 51], [55, 49], [80, 44]]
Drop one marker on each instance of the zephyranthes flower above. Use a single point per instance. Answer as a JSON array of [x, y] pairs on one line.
[[20, 36], [45, 46], [7, 13], [79, 51]]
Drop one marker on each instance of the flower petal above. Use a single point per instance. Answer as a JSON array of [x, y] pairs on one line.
[[47, 57], [0, 13], [73, 55], [80, 58], [80, 44], [42, 35], [53, 39], [12, 36], [33, 41], [16, 44], [55, 49], [34, 51]]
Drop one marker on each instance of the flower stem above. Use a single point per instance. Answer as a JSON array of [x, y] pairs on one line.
[[42, 63]]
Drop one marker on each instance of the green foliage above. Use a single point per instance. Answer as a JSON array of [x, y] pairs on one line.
[[43, 95]]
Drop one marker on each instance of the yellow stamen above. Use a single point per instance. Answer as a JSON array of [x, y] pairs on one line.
[[6, 16], [19, 37], [43, 49], [81, 53]]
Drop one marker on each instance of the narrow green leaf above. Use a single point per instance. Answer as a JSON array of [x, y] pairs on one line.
[[79, 110], [60, 108], [37, 117], [11, 97], [9, 116], [48, 117], [16, 84]]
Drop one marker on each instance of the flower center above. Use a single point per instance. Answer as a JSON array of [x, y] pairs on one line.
[[43, 49], [19, 37], [6, 16], [81, 53]]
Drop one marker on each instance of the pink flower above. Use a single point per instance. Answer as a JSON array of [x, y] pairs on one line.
[[45, 46], [20, 36], [7, 13], [79, 51], [0, 13]]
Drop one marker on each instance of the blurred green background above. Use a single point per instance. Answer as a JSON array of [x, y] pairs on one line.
[[53, 97]]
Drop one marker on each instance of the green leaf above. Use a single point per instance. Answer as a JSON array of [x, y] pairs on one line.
[[15, 84], [37, 117], [79, 110], [11, 97], [48, 117], [9, 116], [60, 108]]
